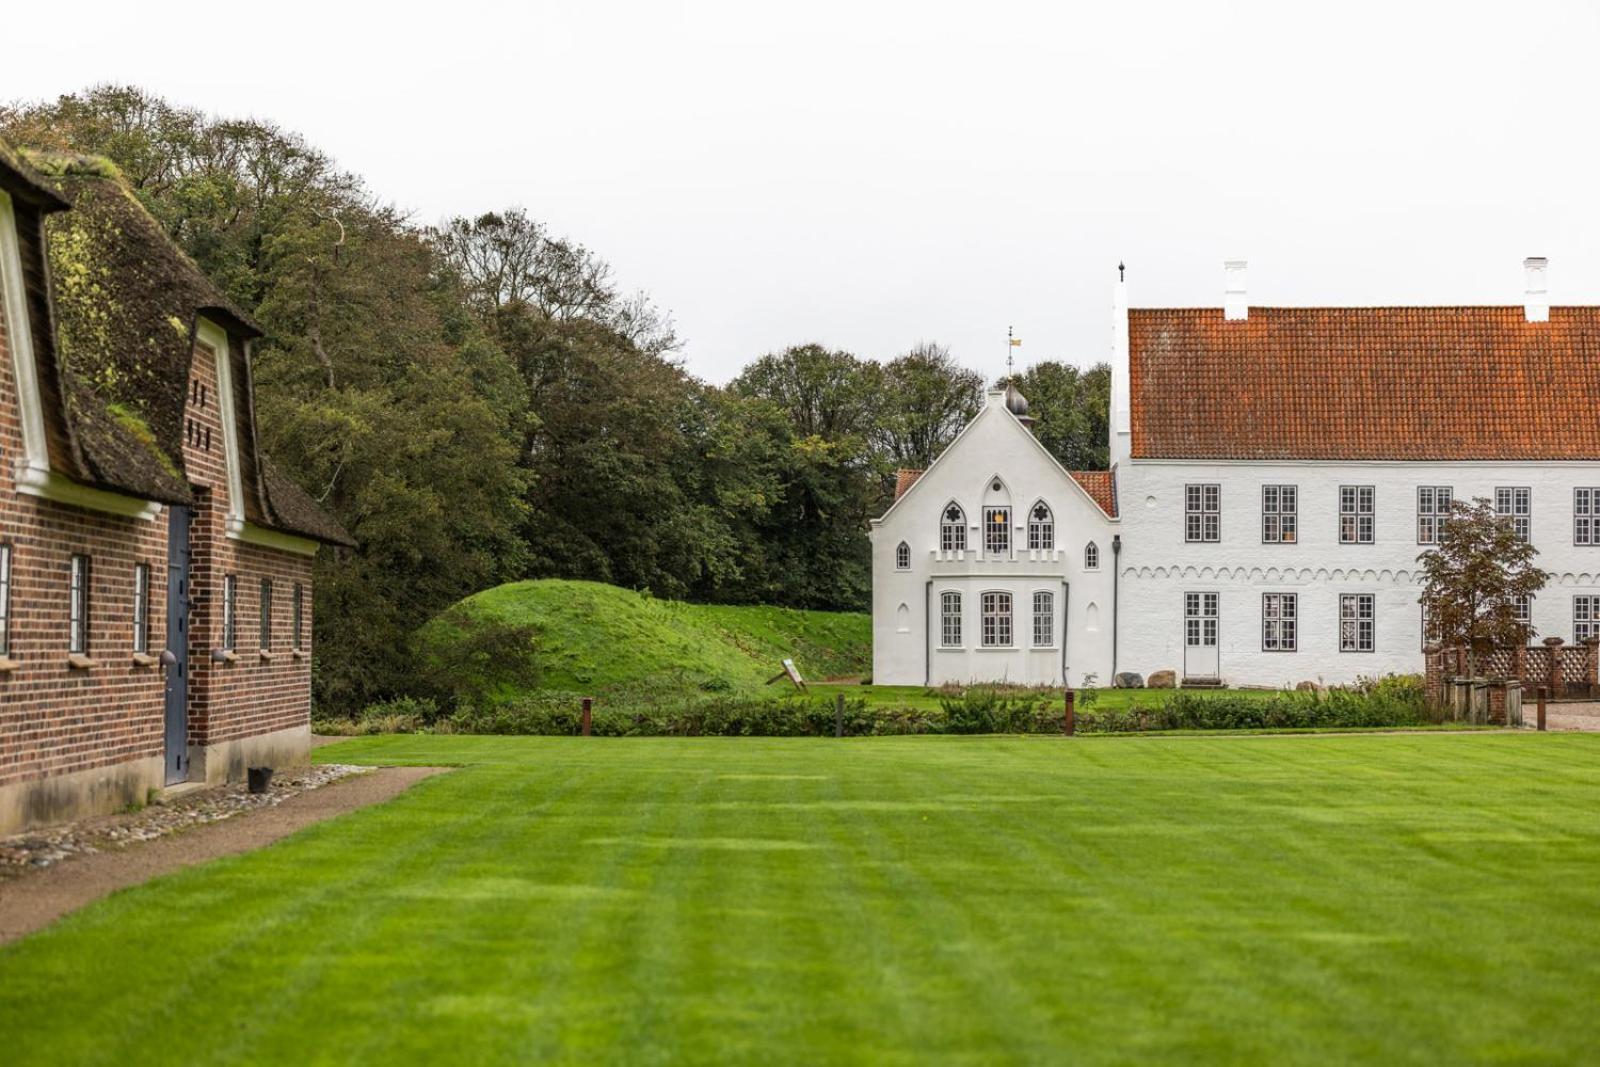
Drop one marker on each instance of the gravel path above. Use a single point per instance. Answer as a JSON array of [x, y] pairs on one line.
[[81, 863], [1578, 715]]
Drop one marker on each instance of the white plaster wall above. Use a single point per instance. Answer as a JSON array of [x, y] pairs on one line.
[[905, 649], [1159, 566]]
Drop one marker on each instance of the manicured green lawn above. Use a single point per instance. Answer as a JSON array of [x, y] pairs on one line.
[[1383, 899]]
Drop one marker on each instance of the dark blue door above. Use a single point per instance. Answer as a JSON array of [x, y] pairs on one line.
[[178, 645]]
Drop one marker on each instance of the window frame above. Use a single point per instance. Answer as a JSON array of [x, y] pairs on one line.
[[1366, 627], [1591, 624], [1091, 556], [950, 619], [1434, 518], [1285, 635], [1041, 532], [266, 615], [141, 608], [230, 611], [997, 533], [79, 603], [952, 532], [1586, 520], [297, 622], [1047, 616], [1202, 513], [1523, 522], [902, 556], [994, 623], [1281, 516], [6, 562], [1362, 514]]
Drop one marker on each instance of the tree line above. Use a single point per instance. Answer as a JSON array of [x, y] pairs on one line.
[[481, 401]]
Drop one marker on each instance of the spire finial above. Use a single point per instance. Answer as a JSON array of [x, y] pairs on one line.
[[1121, 272]]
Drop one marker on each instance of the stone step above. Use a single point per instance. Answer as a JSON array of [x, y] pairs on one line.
[[1202, 683]]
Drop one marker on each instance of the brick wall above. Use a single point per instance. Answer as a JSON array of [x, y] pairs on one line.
[[57, 720]]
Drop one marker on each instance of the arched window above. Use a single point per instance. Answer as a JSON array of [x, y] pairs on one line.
[[902, 556], [1044, 619], [997, 620], [1041, 528], [953, 529], [950, 620], [1091, 557]]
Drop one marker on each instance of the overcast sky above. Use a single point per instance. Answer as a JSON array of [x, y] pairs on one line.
[[871, 175]]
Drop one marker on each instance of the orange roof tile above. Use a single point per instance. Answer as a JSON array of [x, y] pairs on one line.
[[1416, 383], [1101, 487]]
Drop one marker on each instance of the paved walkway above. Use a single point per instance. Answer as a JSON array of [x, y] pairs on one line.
[[1579, 715]]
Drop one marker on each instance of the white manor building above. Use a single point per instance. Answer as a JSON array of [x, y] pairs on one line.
[[1275, 473]]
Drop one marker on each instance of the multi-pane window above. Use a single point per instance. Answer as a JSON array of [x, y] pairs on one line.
[[1279, 514], [1586, 516], [1041, 528], [997, 620], [1585, 617], [1525, 609], [1515, 503], [266, 614], [230, 605], [1355, 622], [298, 616], [1200, 619], [1355, 514], [953, 529], [1280, 614], [1091, 557], [902, 556], [1202, 512], [141, 607], [1433, 508], [5, 601], [997, 531], [78, 607], [1044, 618], [950, 620]]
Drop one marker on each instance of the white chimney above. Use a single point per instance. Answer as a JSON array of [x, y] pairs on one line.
[[1536, 301], [1235, 301]]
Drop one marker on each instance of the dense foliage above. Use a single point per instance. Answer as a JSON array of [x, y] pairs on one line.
[[1475, 578], [480, 402]]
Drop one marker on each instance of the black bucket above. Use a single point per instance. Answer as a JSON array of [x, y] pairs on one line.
[[260, 779]]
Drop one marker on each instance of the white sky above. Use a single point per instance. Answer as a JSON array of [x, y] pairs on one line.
[[869, 175]]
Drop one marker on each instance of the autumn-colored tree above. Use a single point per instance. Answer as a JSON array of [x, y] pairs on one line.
[[1474, 579]]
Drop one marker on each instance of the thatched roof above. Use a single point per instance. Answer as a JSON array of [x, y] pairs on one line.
[[123, 301]]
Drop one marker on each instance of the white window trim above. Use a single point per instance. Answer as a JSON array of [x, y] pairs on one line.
[[957, 615], [1050, 637], [1010, 617]]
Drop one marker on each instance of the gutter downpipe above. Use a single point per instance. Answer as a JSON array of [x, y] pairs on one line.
[[1066, 593], [927, 633], [1116, 578]]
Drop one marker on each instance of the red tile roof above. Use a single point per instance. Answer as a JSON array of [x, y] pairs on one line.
[[904, 479], [1101, 487], [1417, 383]]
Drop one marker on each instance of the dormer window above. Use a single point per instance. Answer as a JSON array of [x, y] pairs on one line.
[[902, 557], [1041, 528], [953, 529]]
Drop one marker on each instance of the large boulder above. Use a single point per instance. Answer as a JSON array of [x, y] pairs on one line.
[[1306, 687], [1128, 680], [1163, 680]]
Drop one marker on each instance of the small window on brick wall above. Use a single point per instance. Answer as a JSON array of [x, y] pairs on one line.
[[230, 606], [141, 607], [298, 620], [5, 601], [266, 614], [78, 607]]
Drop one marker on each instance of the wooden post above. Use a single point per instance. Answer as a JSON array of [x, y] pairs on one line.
[[838, 715], [1069, 725], [1542, 692], [588, 707]]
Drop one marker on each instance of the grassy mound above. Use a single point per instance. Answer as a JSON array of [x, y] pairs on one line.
[[597, 637]]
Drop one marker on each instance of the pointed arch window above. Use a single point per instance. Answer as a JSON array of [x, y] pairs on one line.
[[953, 529], [1041, 528], [1091, 557], [902, 557]]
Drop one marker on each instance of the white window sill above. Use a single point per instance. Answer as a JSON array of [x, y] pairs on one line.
[[997, 648]]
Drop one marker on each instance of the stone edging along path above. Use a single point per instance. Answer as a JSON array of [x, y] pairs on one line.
[[31, 901]]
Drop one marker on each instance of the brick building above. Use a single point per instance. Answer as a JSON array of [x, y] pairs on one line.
[[155, 569]]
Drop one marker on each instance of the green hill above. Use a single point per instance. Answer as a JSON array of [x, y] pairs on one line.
[[595, 637]]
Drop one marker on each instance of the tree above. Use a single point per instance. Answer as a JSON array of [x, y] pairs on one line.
[[1474, 579], [928, 398], [1069, 407]]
